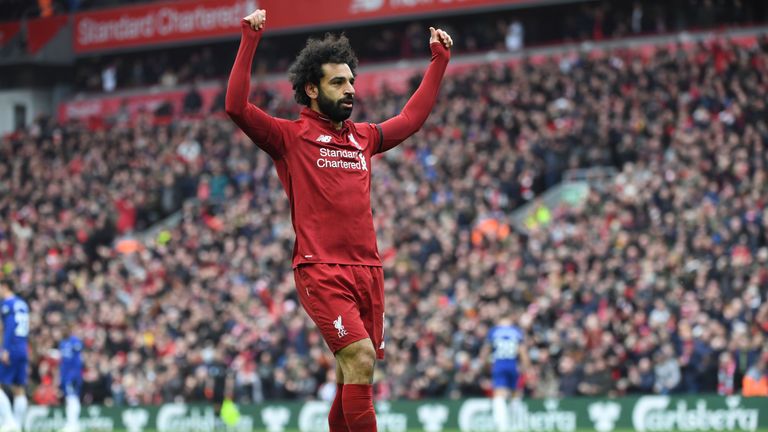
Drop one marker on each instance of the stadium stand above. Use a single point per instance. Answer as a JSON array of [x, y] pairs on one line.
[[478, 32], [656, 285]]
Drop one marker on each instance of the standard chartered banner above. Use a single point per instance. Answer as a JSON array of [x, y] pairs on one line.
[[647, 413]]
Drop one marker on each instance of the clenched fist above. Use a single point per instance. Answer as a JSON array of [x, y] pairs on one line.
[[257, 19], [438, 35]]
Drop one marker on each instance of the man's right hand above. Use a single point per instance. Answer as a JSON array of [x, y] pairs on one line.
[[257, 19]]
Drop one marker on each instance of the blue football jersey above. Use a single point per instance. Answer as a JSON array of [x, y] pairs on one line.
[[71, 364], [505, 341], [15, 326]]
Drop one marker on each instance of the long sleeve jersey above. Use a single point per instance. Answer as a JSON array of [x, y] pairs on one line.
[[326, 172]]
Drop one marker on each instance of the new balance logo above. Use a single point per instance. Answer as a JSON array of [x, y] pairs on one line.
[[324, 139], [340, 327]]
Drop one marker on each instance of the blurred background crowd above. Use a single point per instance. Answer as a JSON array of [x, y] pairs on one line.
[[657, 284], [509, 30], [493, 31]]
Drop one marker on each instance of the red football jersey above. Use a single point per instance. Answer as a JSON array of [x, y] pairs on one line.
[[326, 174]]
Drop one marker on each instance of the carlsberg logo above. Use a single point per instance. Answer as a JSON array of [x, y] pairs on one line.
[[181, 417], [654, 413], [45, 419], [174, 417], [475, 415]]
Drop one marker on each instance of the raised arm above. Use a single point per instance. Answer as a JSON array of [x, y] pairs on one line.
[[260, 127], [417, 109]]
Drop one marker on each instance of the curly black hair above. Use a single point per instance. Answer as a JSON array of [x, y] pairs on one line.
[[307, 68]]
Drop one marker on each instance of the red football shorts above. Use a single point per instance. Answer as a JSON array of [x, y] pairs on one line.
[[346, 302]]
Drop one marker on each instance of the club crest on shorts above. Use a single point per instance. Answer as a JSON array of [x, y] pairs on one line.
[[340, 327]]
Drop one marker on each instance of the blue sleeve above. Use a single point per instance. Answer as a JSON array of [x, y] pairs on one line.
[[7, 327]]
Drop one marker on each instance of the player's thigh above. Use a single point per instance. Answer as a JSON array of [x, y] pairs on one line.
[[504, 379], [14, 373], [71, 386], [20, 372], [6, 374], [370, 286], [327, 293]]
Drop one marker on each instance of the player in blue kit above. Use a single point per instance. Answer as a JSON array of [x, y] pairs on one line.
[[71, 377], [13, 357], [507, 354]]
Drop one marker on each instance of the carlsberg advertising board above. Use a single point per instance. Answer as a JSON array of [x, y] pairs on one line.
[[653, 413]]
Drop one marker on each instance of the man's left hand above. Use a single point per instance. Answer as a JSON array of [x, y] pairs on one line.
[[438, 35]]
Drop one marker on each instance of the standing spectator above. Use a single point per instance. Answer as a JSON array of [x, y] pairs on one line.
[[193, 101], [756, 378], [515, 36], [641, 377], [109, 78], [725, 375], [570, 376], [667, 371]]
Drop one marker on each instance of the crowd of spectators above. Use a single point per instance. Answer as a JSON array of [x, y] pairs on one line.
[[655, 285], [506, 30]]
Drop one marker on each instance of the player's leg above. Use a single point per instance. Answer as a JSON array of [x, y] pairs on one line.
[[501, 392], [357, 360], [336, 421], [19, 389], [20, 403], [8, 421], [517, 402], [328, 294], [71, 388], [501, 409]]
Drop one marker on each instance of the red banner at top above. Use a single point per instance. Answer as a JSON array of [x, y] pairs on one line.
[[205, 19], [158, 23]]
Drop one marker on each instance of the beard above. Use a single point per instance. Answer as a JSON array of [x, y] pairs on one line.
[[333, 109]]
